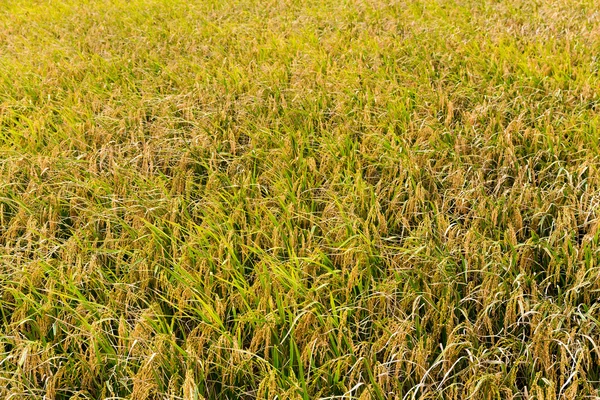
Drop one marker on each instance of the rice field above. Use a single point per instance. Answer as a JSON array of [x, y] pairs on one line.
[[300, 199]]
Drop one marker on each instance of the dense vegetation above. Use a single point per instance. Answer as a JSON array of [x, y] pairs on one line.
[[299, 199]]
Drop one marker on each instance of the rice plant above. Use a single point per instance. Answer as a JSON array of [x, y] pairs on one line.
[[243, 199]]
